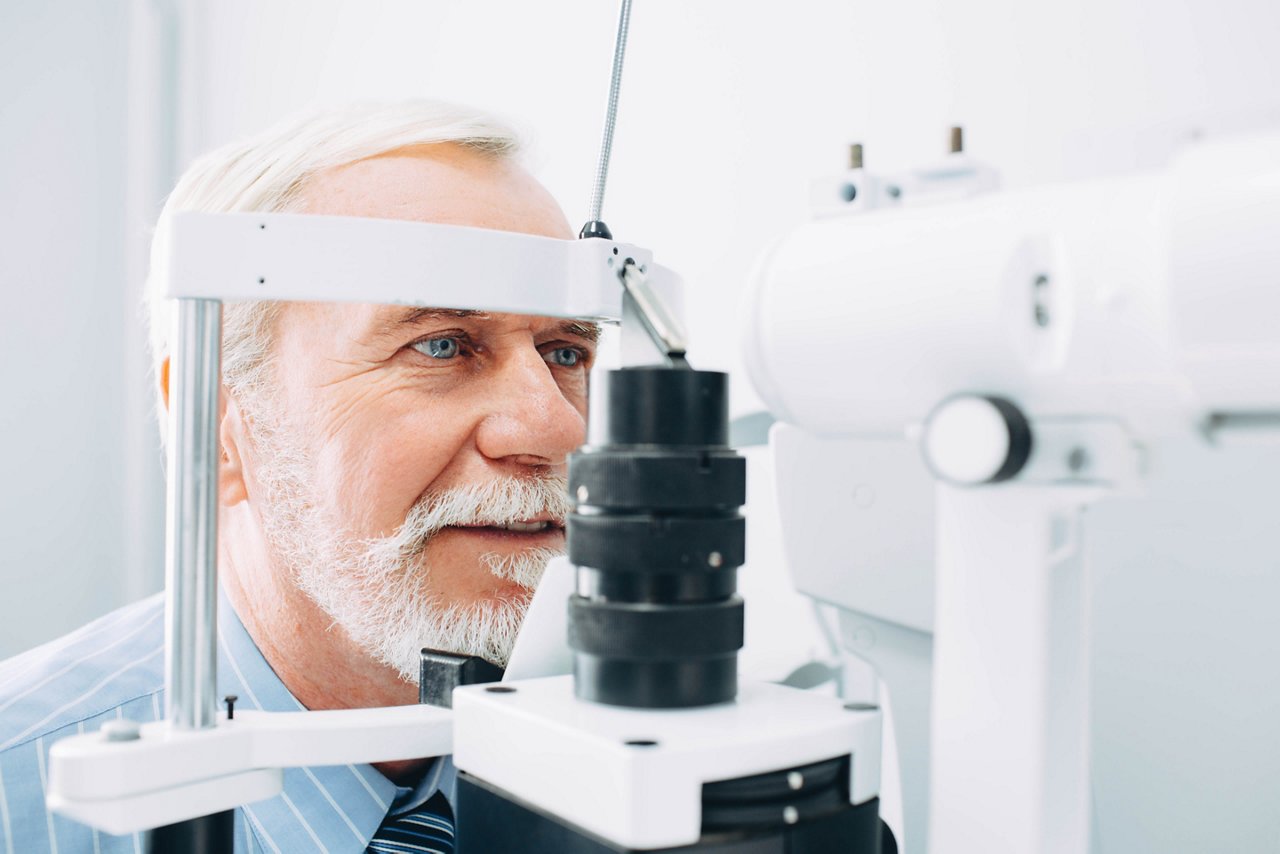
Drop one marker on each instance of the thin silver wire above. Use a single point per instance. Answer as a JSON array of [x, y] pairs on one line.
[[611, 112]]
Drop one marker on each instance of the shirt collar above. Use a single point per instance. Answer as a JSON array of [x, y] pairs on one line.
[[338, 802], [440, 777]]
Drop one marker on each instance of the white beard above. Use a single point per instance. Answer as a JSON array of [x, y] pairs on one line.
[[373, 588]]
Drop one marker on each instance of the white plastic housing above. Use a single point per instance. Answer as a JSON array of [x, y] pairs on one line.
[[1224, 272], [1145, 297], [568, 757]]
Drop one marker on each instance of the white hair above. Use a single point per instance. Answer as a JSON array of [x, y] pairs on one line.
[[269, 172]]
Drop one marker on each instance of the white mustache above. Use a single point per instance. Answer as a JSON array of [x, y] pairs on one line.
[[497, 502]]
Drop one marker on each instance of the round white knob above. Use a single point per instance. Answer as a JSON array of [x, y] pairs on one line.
[[973, 439]]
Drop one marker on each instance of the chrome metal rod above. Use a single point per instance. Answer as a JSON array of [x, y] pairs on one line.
[[191, 516], [661, 325], [611, 112]]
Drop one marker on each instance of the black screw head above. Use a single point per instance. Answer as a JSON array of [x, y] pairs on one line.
[[641, 742], [500, 689], [230, 700], [595, 228]]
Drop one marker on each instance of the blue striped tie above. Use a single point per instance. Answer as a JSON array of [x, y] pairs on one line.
[[428, 828]]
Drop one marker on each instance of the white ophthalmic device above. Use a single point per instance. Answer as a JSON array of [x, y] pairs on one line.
[[986, 367], [1012, 357]]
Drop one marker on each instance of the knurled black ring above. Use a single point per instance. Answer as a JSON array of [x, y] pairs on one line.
[[643, 543], [660, 480], [635, 631]]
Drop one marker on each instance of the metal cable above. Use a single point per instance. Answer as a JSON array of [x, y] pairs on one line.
[[611, 112]]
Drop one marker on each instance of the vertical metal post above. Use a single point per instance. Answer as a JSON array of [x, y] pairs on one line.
[[191, 515]]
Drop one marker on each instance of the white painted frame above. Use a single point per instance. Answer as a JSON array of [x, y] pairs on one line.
[[279, 256]]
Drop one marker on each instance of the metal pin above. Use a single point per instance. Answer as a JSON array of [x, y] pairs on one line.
[[715, 560], [855, 156], [795, 780], [583, 494], [121, 730], [790, 815], [957, 139]]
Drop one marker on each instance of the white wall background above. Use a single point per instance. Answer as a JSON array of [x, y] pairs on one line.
[[80, 508], [728, 109]]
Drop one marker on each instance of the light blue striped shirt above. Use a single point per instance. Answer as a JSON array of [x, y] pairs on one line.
[[114, 668]]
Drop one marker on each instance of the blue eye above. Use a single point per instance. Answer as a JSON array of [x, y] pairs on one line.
[[439, 348], [564, 357]]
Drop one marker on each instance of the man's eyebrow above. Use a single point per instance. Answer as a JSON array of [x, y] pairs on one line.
[[413, 315], [410, 316], [582, 328], [392, 324]]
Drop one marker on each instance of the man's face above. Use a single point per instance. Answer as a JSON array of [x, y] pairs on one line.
[[408, 464]]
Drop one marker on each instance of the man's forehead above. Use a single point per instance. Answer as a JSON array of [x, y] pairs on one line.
[[442, 183]]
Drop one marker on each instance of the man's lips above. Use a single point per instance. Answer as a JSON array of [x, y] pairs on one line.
[[535, 525]]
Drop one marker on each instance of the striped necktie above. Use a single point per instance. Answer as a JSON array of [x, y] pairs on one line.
[[429, 828]]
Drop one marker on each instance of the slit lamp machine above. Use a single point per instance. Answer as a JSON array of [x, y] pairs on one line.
[[980, 367]]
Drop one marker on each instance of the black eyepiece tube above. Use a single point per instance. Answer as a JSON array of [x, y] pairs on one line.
[[657, 536]]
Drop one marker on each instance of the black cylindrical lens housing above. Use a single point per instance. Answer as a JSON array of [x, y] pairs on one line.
[[657, 535], [668, 406]]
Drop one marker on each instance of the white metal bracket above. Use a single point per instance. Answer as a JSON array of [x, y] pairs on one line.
[[301, 257], [168, 774]]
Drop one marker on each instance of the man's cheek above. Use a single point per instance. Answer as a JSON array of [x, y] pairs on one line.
[[381, 485]]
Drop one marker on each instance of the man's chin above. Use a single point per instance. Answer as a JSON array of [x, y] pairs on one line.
[[506, 592], [522, 572], [503, 566]]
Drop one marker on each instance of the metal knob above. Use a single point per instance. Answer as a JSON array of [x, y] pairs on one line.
[[970, 440]]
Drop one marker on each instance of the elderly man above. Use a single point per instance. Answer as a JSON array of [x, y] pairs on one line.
[[391, 479]]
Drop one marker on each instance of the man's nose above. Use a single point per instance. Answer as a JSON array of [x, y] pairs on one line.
[[530, 421]]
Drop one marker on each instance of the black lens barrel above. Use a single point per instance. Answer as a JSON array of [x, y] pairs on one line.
[[657, 536]]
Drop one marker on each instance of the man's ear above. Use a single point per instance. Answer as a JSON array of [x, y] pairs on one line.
[[164, 382], [232, 440]]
